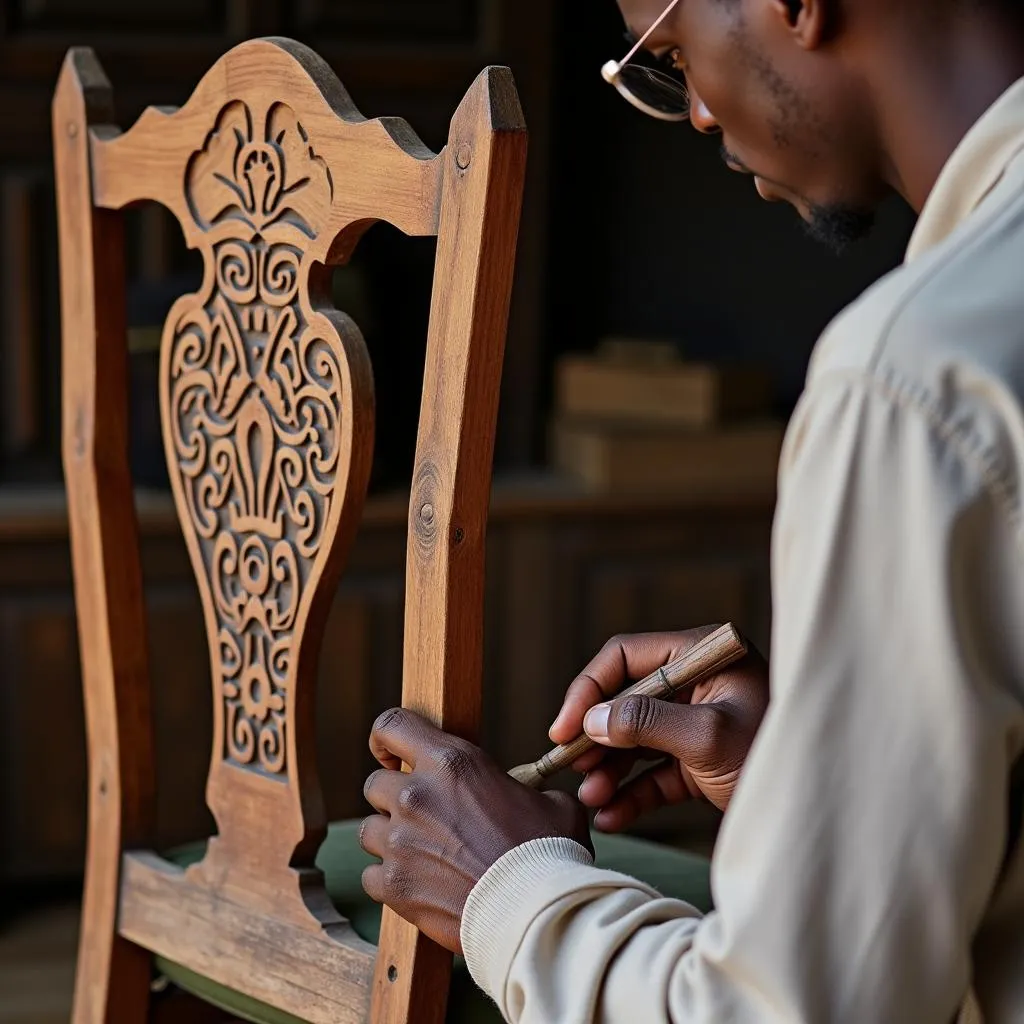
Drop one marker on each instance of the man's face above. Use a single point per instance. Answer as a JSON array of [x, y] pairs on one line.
[[786, 105]]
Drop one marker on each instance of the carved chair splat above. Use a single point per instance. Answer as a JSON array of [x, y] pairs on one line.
[[267, 409]]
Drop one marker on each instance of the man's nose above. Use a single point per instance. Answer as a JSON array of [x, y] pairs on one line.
[[700, 117]]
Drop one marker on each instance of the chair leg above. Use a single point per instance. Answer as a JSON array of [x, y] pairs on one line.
[[113, 976]]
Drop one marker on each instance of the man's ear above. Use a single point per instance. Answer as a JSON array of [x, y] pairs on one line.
[[806, 20]]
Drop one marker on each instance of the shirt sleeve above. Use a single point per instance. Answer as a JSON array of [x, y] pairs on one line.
[[861, 847]]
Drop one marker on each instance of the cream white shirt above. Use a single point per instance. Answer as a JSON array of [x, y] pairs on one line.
[[868, 869]]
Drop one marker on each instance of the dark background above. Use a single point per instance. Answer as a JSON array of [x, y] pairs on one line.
[[630, 227], [665, 241], [634, 226]]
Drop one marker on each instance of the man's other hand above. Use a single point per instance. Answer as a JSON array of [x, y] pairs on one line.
[[444, 822], [698, 744]]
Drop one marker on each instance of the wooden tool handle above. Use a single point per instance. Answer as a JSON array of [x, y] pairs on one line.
[[712, 654]]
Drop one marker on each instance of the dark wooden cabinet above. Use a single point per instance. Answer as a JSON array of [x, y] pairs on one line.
[[565, 572]]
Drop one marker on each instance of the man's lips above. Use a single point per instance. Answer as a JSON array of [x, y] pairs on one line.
[[764, 189]]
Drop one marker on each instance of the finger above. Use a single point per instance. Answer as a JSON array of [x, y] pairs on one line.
[[656, 787], [401, 736], [598, 755], [602, 783], [373, 882], [383, 788], [373, 834], [622, 660], [689, 732]]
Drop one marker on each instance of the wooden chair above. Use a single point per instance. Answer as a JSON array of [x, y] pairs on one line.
[[268, 418]]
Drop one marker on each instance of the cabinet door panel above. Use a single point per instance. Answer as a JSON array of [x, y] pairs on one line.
[[360, 676], [115, 15], [42, 786], [663, 594], [396, 21], [179, 665]]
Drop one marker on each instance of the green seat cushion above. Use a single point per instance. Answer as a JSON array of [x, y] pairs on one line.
[[672, 872]]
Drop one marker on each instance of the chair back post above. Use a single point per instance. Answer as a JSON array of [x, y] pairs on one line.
[[113, 975], [481, 198]]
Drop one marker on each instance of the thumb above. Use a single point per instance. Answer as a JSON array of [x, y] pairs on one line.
[[684, 731]]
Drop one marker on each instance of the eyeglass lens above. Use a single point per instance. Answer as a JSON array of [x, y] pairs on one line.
[[655, 89]]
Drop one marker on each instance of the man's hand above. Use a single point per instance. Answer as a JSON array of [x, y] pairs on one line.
[[442, 824], [706, 739]]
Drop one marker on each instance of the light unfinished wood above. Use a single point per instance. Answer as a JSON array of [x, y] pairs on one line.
[[267, 408], [449, 503], [712, 654], [320, 976], [665, 394]]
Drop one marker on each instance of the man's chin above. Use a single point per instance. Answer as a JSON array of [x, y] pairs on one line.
[[837, 225]]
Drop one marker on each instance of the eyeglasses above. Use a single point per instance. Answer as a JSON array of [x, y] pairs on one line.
[[658, 92]]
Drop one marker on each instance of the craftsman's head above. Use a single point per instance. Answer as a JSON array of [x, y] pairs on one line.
[[811, 97]]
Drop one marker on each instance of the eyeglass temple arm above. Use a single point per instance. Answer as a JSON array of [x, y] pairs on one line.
[[643, 39]]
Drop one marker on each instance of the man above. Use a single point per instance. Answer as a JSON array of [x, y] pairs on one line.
[[869, 867]]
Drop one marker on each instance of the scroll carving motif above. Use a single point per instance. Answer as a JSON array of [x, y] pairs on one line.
[[254, 395]]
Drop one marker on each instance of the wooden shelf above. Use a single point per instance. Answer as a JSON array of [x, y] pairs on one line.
[[41, 512]]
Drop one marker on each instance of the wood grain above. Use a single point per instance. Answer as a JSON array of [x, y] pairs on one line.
[[267, 408], [484, 168], [321, 976], [381, 169], [715, 652], [112, 982]]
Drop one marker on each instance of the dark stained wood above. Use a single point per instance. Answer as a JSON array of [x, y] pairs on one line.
[[527, 40], [100, 15], [408, 20], [42, 775], [343, 703], [21, 412]]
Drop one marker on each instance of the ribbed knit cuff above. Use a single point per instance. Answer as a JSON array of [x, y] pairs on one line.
[[512, 892]]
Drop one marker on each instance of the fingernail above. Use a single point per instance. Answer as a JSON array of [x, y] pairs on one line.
[[596, 722]]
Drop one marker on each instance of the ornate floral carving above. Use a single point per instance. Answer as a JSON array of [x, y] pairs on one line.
[[254, 400]]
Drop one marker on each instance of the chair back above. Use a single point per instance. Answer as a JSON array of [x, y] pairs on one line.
[[267, 409]]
